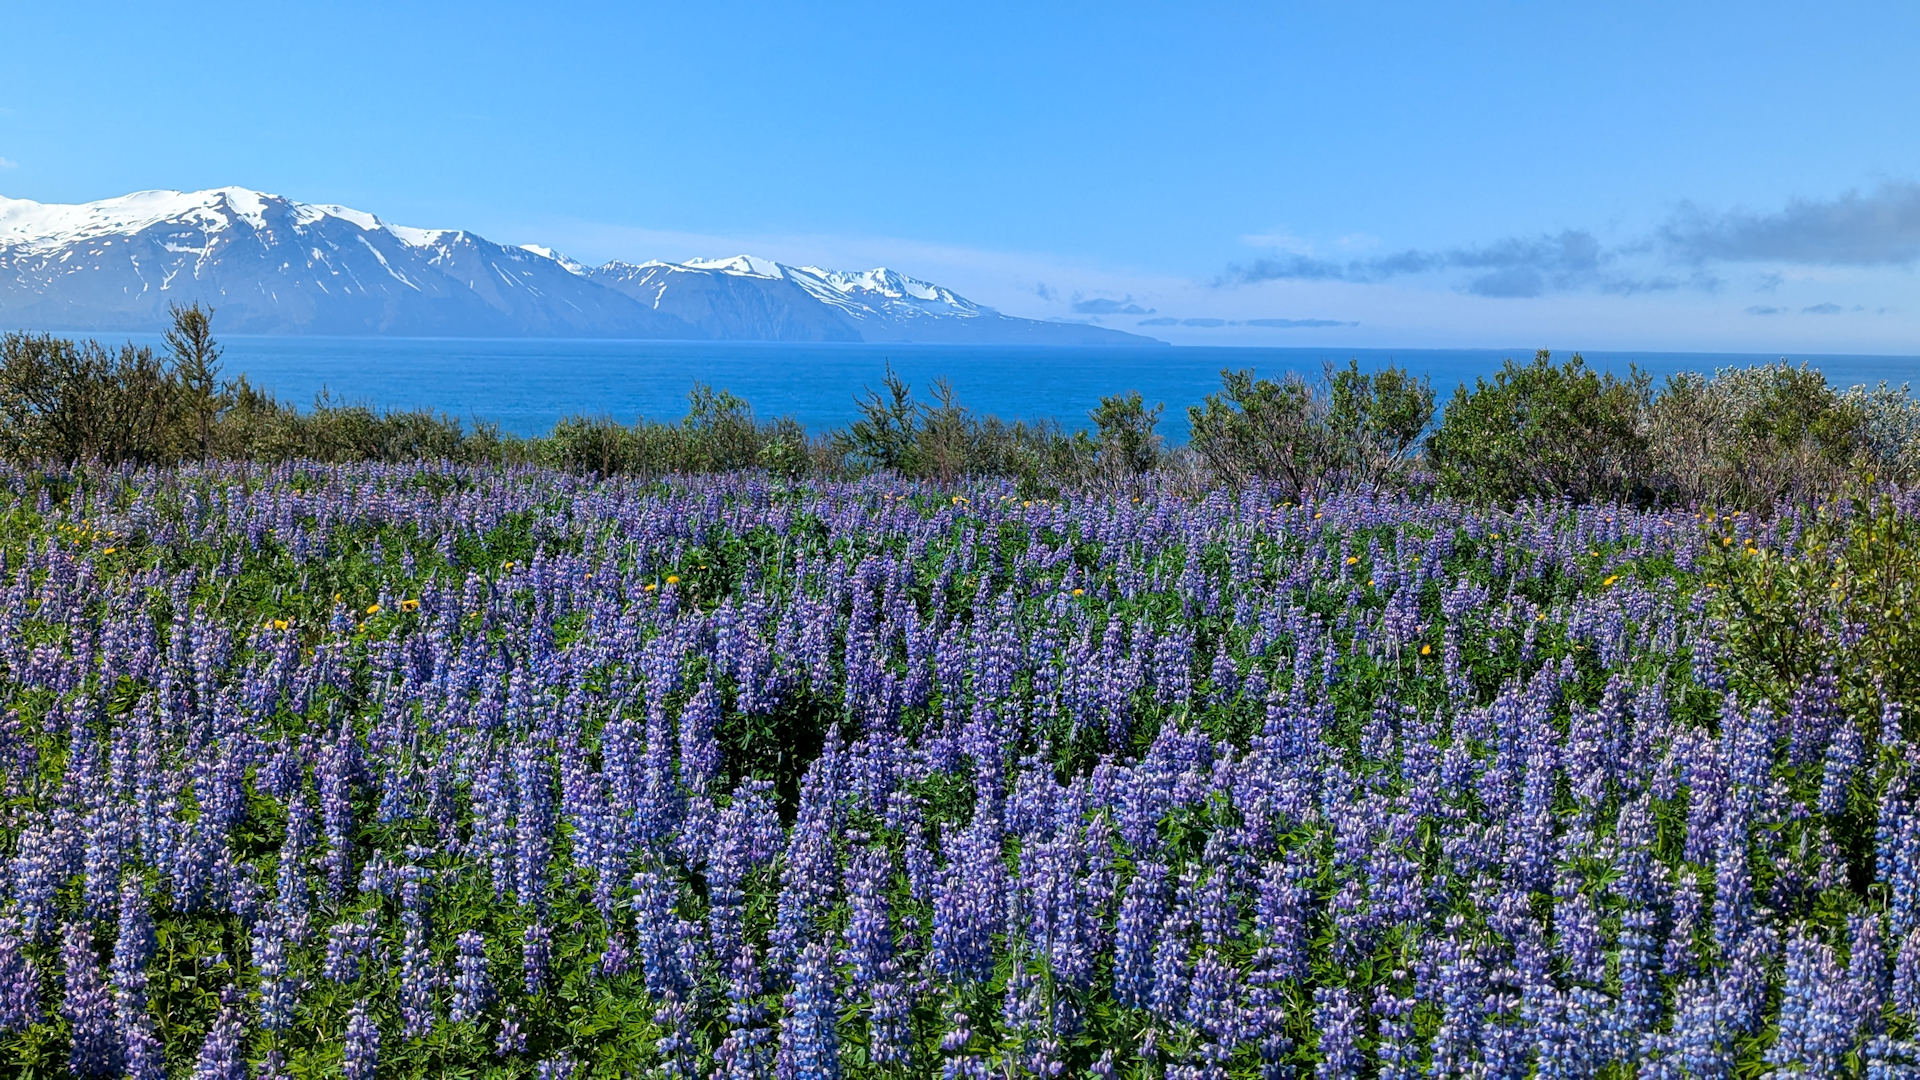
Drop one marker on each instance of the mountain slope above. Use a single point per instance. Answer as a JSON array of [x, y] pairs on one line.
[[271, 265], [749, 298], [735, 307]]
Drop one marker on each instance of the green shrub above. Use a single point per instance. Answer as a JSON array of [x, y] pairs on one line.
[[63, 401], [1889, 430], [1544, 430], [1350, 428], [1844, 601], [1748, 437], [1376, 421], [1125, 445]]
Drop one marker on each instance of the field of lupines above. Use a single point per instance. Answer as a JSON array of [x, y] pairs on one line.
[[391, 771]]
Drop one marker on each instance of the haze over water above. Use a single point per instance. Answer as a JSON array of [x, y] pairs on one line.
[[525, 385]]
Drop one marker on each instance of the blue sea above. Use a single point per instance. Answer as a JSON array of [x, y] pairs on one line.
[[525, 386]]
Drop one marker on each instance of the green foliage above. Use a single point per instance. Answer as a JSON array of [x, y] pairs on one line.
[[1125, 445], [1844, 601], [1752, 436], [943, 440], [885, 436], [66, 402], [1261, 431], [196, 370], [718, 434], [1350, 428], [1376, 420], [1544, 430]]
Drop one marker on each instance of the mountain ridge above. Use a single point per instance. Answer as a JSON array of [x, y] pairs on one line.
[[271, 265]]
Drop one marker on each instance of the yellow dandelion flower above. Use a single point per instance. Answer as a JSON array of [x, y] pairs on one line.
[[110, 551], [1079, 592], [1426, 650], [673, 579], [373, 609], [650, 587], [279, 624], [1351, 559], [1611, 580], [409, 605]]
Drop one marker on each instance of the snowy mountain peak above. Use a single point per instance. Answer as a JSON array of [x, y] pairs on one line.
[[862, 293], [273, 265], [44, 226], [743, 265], [572, 266]]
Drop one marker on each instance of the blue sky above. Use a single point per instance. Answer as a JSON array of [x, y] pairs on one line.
[[1739, 176]]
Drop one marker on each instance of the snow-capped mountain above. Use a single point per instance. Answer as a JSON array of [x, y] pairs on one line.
[[268, 264], [271, 265]]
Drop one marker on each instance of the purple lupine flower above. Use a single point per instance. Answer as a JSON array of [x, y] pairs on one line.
[[1141, 913], [1815, 1026], [968, 905], [96, 1048], [334, 771], [361, 1060], [278, 991], [536, 957], [1897, 849], [956, 1061], [699, 739], [808, 877], [747, 835], [1843, 759], [133, 950], [1338, 1019], [347, 944], [223, 1055], [533, 835], [1639, 970], [668, 945], [869, 952], [472, 990], [510, 1039], [809, 1045], [1398, 1054], [1679, 959], [19, 979], [1173, 961], [747, 1051], [419, 978], [1868, 979], [1905, 989], [1212, 1008]]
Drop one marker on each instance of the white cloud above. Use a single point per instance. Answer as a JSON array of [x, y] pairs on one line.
[[1279, 240], [8, 163]]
